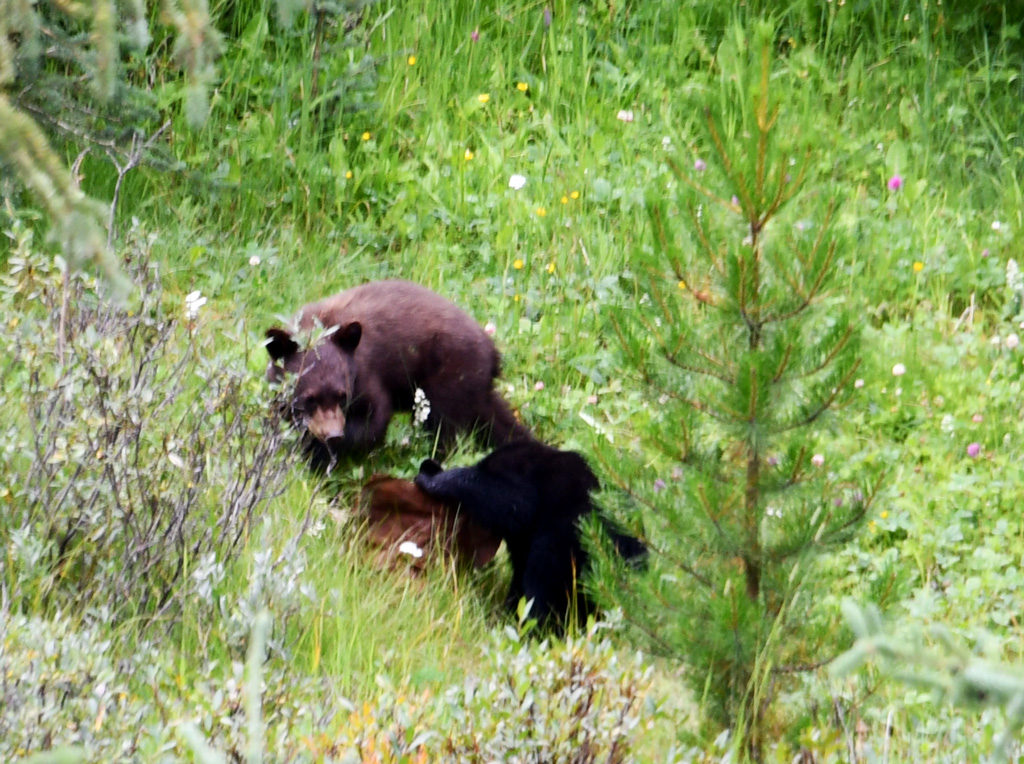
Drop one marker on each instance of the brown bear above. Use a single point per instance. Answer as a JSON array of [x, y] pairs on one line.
[[402, 520], [384, 340]]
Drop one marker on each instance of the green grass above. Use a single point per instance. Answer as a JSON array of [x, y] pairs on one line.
[[934, 99]]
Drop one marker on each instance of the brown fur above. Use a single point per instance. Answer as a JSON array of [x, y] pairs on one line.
[[397, 511], [391, 338]]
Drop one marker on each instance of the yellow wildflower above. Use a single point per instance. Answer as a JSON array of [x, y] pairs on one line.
[[541, 212], [551, 267], [522, 87], [484, 97], [366, 135], [918, 266], [468, 155], [517, 264], [574, 195]]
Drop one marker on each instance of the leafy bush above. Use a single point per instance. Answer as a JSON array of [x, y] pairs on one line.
[[69, 683], [576, 701], [938, 662], [63, 684], [138, 450]]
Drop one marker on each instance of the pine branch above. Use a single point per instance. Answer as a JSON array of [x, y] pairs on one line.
[[783, 364], [713, 373], [811, 416], [737, 179], [833, 352], [700, 188], [713, 258], [810, 295]]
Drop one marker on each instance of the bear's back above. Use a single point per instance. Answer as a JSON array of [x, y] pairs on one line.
[[405, 325]]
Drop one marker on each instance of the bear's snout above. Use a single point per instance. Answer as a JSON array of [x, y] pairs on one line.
[[327, 424]]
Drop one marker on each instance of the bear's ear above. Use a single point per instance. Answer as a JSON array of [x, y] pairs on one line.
[[430, 468], [347, 337], [280, 343]]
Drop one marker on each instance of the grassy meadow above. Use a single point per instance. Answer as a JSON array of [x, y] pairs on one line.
[[138, 557]]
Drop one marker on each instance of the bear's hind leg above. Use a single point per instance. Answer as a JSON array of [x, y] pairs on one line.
[[497, 424], [486, 415]]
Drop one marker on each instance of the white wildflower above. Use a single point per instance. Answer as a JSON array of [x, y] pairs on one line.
[[410, 548], [193, 302], [624, 115], [420, 407], [1012, 341], [899, 370], [1014, 279], [254, 260], [516, 182]]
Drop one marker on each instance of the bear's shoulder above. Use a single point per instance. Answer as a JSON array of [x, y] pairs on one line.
[[563, 479]]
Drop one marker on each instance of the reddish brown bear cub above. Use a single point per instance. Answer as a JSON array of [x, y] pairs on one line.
[[391, 337]]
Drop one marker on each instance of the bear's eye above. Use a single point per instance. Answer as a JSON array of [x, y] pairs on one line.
[[303, 405]]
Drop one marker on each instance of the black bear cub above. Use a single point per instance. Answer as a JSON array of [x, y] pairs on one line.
[[532, 496], [389, 338]]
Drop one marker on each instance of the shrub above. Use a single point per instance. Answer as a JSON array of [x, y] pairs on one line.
[[138, 447], [573, 702], [576, 701]]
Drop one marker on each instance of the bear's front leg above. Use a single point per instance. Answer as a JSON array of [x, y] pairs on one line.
[[366, 421]]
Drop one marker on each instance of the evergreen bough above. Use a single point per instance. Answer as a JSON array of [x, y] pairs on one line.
[[63, 76], [75, 78], [745, 346]]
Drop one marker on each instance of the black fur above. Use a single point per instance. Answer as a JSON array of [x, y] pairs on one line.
[[532, 496]]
